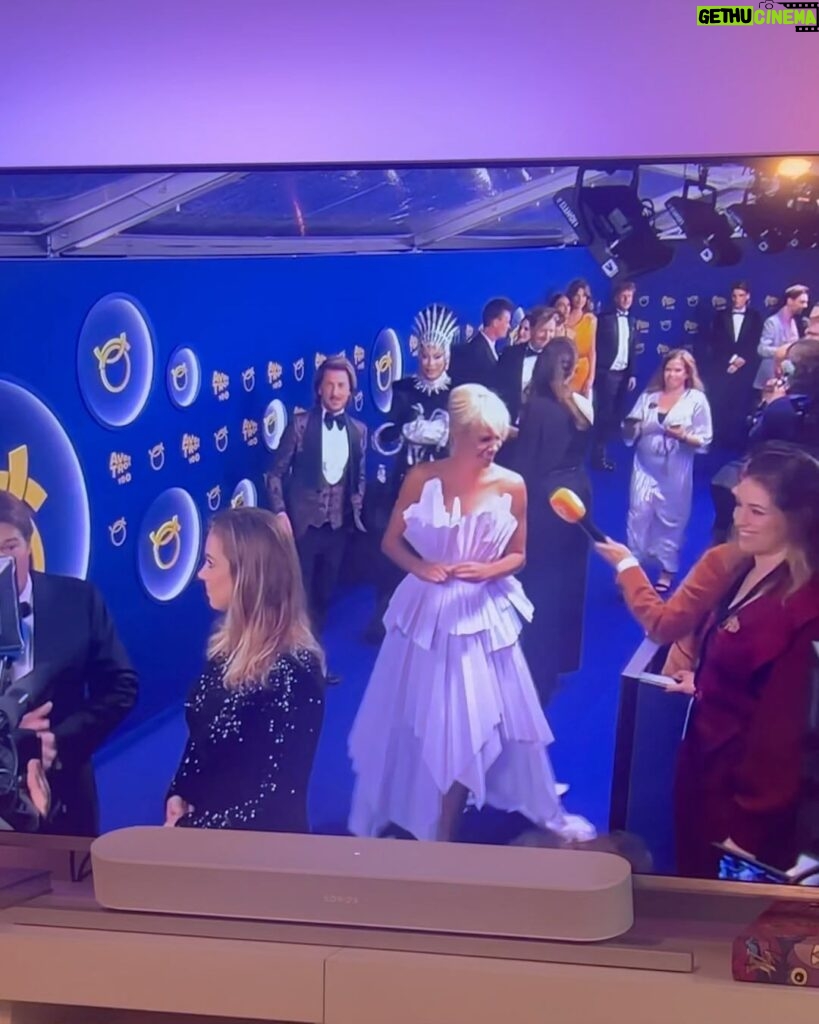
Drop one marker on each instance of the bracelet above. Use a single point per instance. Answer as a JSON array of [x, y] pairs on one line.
[[629, 562]]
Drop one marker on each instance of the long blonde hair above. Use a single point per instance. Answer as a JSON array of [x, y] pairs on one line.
[[267, 615]]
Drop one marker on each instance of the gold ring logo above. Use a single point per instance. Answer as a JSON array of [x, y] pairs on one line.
[[118, 532], [238, 500], [270, 422], [16, 481], [168, 535], [114, 351], [249, 379], [298, 370], [156, 456], [179, 377], [214, 497], [358, 401], [220, 438], [383, 372]]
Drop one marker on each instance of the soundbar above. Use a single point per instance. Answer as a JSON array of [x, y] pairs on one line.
[[455, 888]]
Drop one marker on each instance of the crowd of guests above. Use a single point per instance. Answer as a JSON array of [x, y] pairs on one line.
[[482, 592]]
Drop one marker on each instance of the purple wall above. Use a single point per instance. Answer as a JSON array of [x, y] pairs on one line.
[[167, 81]]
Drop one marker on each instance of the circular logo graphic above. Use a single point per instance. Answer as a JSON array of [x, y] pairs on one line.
[[183, 377], [244, 495], [169, 542], [273, 423], [386, 367], [39, 465], [115, 360]]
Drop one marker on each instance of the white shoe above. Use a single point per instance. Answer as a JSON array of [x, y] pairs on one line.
[[577, 829]]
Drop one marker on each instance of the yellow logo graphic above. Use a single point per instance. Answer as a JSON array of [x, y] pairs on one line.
[[718, 302], [358, 401], [668, 302], [118, 532], [220, 438], [214, 496], [691, 327], [220, 382], [156, 455], [665, 325], [383, 372], [771, 301], [319, 359], [693, 300], [119, 466], [169, 537], [298, 370], [663, 350], [359, 357], [238, 500], [274, 374], [16, 481], [190, 448], [270, 422], [642, 326], [114, 351], [179, 376], [249, 378], [250, 429]]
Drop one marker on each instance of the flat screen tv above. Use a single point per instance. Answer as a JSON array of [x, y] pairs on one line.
[[165, 342]]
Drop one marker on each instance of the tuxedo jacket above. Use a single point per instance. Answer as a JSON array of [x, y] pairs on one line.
[[474, 363], [607, 340], [722, 345], [92, 684], [509, 378], [296, 482]]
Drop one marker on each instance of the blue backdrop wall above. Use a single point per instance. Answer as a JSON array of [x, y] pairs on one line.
[[248, 323]]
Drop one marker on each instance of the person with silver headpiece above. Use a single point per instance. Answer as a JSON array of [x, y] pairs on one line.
[[416, 431]]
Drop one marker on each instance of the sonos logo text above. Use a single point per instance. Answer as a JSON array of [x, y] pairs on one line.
[[330, 898]]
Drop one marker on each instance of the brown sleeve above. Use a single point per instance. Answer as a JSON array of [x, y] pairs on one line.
[[281, 463], [674, 619]]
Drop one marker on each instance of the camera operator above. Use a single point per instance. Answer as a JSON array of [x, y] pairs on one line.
[[91, 689]]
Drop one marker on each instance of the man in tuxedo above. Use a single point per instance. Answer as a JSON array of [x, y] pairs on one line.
[[614, 375], [517, 362], [731, 358], [317, 480], [476, 361], [67, 631]]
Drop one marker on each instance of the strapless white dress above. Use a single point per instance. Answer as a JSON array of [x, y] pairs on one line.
[[451, 698]]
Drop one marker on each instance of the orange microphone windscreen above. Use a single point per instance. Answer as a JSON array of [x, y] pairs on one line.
[[567, 505]]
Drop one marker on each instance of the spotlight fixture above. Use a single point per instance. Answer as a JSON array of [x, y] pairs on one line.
[[785, 218], [703, 225], [615, 225]]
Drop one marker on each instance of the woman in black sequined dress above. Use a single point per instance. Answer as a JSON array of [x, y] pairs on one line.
[[255, 715]]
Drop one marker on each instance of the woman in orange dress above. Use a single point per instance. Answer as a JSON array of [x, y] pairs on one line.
[[582, 321]]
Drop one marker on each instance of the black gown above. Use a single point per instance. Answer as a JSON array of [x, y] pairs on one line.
[[250, 750], [411, 401], [550, 453]]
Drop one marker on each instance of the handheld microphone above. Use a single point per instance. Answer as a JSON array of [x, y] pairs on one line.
[[569, 507], [23, 695]]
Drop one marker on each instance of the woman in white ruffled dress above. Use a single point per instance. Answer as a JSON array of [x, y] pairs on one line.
[[450, 713]]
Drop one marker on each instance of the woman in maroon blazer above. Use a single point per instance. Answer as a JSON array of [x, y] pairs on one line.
[[745, 620]]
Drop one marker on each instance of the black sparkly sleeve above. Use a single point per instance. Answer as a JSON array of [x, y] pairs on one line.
[[254, 769]]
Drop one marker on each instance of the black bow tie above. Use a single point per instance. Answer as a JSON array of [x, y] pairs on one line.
[[331, 421], [531, 351], [739, 312], [622, 312]]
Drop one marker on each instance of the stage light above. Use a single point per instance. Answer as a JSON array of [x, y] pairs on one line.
[[703, 225], [615, 225], [793, 167], [762, 221]]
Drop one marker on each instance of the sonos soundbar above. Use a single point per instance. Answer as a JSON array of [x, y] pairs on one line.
[[558, 895]]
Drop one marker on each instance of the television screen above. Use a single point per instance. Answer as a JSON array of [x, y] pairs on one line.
[[444, 503]]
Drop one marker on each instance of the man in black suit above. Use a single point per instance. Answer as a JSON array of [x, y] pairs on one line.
[[517, 362], [317, 481], [730, 365], [476, 361], [92, 684], [614, 378]]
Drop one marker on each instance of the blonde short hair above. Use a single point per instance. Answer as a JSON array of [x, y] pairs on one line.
[[473, 405]]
